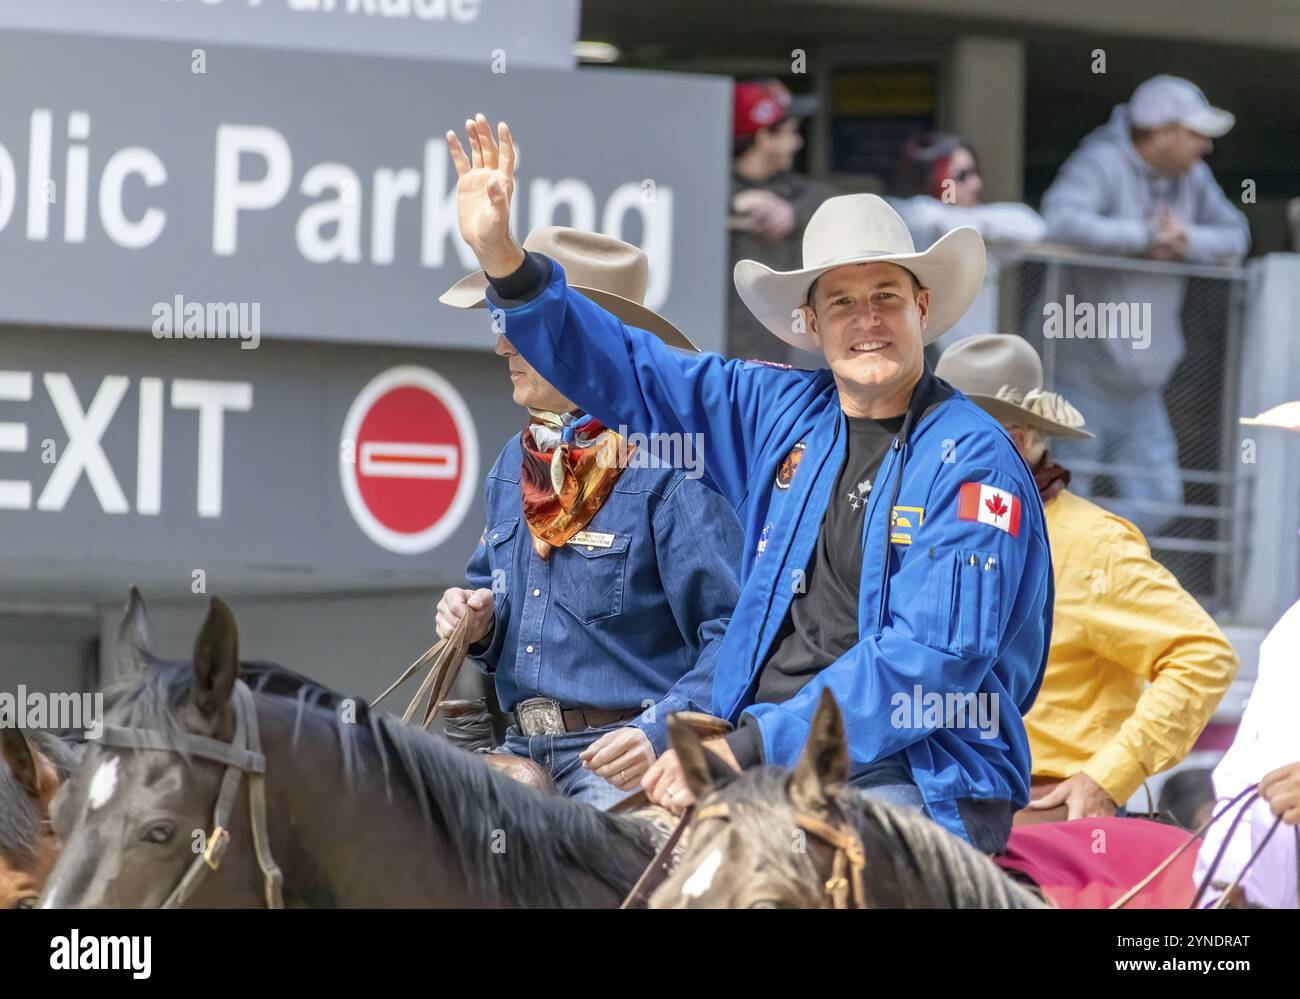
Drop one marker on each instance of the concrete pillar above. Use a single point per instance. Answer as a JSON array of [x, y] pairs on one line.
[[1268, 521], [985, 103]]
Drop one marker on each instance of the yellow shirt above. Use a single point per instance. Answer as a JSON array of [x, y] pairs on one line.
[[1136, 667]]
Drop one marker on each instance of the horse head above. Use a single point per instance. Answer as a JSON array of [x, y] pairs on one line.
[[750, 845], [32, 768], [772, 838], [132, 821]]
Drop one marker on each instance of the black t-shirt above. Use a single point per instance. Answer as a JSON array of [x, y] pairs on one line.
[[822, 623]]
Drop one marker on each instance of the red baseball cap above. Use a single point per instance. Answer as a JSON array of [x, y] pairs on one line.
[[763, 103]]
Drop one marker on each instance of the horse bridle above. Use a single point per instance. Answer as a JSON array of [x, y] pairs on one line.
[[242, 755], [847, 884]]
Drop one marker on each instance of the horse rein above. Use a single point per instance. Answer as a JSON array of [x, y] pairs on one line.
[[242, 755], [1251, 795], [447, 655], [847, 884], [1226, 896]]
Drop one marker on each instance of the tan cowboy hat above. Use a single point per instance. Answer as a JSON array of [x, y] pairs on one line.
[[611, 273], [1285, 416], [861, 229], [1002, 374]]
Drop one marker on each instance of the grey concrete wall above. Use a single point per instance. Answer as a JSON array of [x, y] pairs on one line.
[[1268, 534], [48, 652]]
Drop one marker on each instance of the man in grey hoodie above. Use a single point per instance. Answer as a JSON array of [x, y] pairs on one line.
[[1137, 186]]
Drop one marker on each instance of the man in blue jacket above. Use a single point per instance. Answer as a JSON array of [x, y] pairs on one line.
[[602, 586], [896, 550]]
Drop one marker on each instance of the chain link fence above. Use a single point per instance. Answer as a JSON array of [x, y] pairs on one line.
[[1149, 353]]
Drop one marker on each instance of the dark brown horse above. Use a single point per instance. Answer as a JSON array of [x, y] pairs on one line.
[[770, 838], [361, 810], [32, 767]]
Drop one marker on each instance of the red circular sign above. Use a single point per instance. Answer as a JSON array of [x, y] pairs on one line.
[[409, 459]]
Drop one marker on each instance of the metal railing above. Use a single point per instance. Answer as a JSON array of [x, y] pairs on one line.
[[1190, 506]]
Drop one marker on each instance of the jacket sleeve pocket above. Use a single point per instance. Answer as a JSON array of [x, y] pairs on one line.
[[976, 598]]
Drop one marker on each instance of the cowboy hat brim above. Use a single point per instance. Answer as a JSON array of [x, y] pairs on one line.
[[952, 268], [470, 293], [1008, 412], [1284, 417]]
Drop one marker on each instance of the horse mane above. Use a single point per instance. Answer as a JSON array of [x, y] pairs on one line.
[[911, 862], [20, 816], [930, 866], [549, 838]]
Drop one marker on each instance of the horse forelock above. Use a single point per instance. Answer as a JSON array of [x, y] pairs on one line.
[[761, 816], [155, 697]]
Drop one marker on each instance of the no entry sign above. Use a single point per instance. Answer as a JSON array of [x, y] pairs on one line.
[[408, 459]]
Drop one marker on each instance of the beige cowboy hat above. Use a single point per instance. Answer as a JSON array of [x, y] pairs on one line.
[[863, 229], [1285, 416], [611, 273], [1002, 374]]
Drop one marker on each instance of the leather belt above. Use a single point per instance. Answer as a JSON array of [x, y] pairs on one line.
[[545, 716]]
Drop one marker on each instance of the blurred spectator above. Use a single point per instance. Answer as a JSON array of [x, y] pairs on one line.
[[1138, 186], [770, 203], [938, 187]]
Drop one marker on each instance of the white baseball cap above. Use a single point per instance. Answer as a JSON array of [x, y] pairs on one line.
[[1171, 100]]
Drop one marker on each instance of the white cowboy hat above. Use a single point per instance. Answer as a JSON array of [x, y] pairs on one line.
[[610, 272], [861, 229], [1003, 375]]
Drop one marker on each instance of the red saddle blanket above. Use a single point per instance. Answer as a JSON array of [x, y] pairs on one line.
[[1089, 863]]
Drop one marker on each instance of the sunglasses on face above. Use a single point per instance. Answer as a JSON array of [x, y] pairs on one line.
[[965, 174]]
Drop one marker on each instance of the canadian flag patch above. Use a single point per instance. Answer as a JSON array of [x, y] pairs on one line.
[[989, 505]]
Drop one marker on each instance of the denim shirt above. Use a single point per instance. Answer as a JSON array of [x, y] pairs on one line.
[[634, 624]]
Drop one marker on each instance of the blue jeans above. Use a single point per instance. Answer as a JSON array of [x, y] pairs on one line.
[[888, 781], [558, 756], [987, 823]]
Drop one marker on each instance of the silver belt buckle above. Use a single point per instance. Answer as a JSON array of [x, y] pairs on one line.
[[540, 716]]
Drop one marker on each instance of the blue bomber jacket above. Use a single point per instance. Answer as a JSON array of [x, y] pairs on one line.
[[955, 600]]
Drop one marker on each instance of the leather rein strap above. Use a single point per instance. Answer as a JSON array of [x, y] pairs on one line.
[[1207, 881], [447, 655], [846, 892], [660, 866], [1251, 794], [242, 755]]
